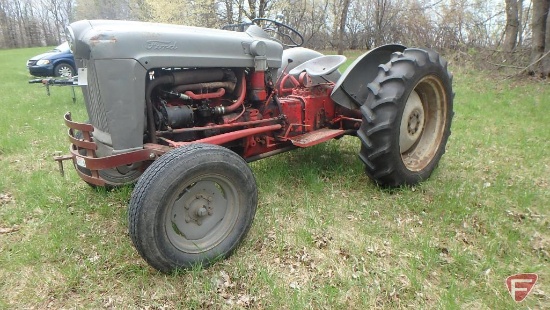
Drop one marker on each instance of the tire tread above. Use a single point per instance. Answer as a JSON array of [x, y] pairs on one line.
[[381, 122]]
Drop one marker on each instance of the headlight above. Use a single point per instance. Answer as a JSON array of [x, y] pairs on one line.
[[42, 62]]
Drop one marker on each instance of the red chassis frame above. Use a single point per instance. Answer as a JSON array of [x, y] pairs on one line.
[[309, 118]]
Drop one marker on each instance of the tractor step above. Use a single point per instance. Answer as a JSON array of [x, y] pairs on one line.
[[316, 137]]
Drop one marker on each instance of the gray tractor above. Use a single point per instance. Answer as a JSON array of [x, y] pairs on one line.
[[181, 110]]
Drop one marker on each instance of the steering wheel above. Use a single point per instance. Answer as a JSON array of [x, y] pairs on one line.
[[281, 32]]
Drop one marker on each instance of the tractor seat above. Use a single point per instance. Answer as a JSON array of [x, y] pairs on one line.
[[319, 66]]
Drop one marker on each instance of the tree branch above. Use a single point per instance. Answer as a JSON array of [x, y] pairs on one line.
[[534, 63], [504, 66]]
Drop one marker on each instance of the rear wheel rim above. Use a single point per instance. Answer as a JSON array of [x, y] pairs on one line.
[[423, 123], [201, 213]]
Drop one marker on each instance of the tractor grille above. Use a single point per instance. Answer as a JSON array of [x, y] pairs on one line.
[[96, 108]]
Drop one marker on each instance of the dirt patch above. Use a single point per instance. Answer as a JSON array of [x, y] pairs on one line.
[[541, 244], [6, 198]]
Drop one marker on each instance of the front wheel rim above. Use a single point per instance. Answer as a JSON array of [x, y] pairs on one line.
[[201, 213], [65, 71], [423, 123]]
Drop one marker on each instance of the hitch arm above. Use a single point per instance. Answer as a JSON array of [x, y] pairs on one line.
[[60, 159]]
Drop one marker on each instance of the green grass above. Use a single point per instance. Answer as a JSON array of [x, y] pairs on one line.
[[324, 235]]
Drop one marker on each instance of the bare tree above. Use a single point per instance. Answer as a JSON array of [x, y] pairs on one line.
[[512, 25], [258, 8], [539, 48], [104, 9], [226, 12], [140, 10], [342, 30], [325, 24]]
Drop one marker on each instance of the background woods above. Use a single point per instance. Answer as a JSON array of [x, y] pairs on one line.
[[512, 26]]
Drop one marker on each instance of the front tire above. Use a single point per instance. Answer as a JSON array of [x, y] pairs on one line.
[[64, 70], [116, 177], [191, 207], [406, 118], [122, 175]]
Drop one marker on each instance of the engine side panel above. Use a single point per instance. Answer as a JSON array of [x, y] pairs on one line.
[[120, 96]]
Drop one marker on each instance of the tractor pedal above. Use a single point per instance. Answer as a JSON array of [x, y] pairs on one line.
[[316, 137]]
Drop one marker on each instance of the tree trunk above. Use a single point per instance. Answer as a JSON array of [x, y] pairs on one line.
[[263, 8], [229, 12], [343, 19], [545, 63], [538, 26], [252, 8], [512, 25]]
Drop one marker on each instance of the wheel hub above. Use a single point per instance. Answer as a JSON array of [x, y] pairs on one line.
[[198, 210], [412, 123], [65, 72]]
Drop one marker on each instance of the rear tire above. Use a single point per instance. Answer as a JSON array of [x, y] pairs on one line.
[[191, 207], [406, 118]]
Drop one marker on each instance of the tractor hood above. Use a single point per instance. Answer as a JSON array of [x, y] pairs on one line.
[[162, 45]]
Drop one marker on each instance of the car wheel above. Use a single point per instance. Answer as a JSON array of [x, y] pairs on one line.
[[63, 70]]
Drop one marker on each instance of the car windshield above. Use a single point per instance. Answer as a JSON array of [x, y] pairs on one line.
[[62, 48]]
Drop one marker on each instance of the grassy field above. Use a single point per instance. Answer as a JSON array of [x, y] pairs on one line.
[[324, 237]]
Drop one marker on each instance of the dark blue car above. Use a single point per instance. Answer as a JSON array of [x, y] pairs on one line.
[[57, 62]]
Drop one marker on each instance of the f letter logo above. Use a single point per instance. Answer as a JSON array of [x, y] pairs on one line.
[[520, 285]]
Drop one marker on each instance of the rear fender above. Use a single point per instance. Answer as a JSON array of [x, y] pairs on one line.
[[351, 89]]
